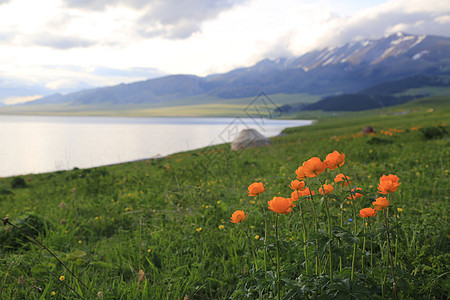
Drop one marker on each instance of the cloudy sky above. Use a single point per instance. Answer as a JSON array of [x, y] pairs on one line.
[[50, 46]]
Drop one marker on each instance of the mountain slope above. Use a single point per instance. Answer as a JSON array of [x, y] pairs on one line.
[[345, 69], [380, 95]]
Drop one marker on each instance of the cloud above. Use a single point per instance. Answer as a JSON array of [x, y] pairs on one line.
[[411, 16], [17, 90], [16, 100], [131, 72], [61, 42], [179, 19], [6, 37], [64, 84], [103, 4], [171, 19]]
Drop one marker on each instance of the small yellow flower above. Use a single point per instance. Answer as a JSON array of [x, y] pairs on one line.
[[79, 242], [199, 229], [252, 202], [53, 293], [128, 209], [218, 202], [256, 237], [61, 278], [399, 209], [251, 226], [221, 227], [149, 250], [292, 238]]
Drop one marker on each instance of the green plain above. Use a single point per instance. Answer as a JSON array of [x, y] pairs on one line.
[[169, 217]]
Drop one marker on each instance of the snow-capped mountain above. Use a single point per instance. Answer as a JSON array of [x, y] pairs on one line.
[[349, 68], [345, 69], [364, 52]]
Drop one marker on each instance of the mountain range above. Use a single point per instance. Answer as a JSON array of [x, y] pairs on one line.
[[331, 71]]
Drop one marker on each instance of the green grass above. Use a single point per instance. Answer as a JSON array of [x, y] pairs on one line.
[[108, 223], [195, 106], [426, 90]]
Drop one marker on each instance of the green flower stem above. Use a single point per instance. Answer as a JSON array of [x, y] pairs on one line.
[[265, 234], [371, 248], [363, 249], [396, 226], [339, 242], [278, 258], [253, 249], [304, 233], [330, 235], [355, 222], [316, 228], [394, 283]]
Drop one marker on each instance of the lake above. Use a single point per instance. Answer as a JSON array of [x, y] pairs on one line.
[[39, 144]]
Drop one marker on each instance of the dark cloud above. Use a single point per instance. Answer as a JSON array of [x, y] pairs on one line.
[[178, 19], [384, 23], [173, 19], [62, 42], [102, 4]]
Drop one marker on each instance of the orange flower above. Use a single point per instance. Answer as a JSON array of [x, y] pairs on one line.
[[328, 189], [342, 179], [297, 185], [334, 160], [313, 166], [390, 177], [307, 192], [380, 203], [388, 184], [281, 205], [238, 216], [300, 173], [355, 194], [367, 212], [295, 195], [256, 188]]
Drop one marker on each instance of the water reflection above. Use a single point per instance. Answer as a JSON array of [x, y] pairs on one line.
[[36, 144]]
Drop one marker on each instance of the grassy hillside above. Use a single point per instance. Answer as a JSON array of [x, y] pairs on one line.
[[159, 229], [198, 106]]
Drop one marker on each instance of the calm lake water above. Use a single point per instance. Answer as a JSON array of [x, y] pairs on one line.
[[38, 144]]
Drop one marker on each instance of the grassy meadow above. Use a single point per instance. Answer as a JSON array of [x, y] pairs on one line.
[[160, 228], [195, 106]]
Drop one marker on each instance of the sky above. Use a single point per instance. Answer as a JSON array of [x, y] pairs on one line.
[[51, 46]]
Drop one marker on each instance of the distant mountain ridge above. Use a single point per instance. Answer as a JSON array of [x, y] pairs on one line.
[[346, 69]]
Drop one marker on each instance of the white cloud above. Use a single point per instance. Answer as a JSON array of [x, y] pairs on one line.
[[106, 42], [443, 19], [62, 84], [411, 16], [17, 100]]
